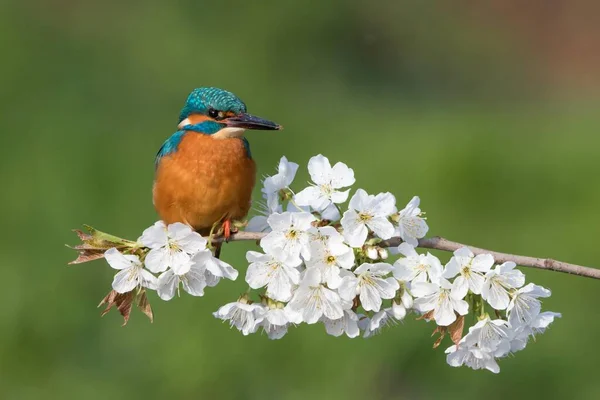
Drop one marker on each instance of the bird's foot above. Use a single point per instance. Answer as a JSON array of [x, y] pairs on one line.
[[231, 227], [227, 229]]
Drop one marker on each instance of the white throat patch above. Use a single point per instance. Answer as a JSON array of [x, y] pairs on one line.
[[229, 132]]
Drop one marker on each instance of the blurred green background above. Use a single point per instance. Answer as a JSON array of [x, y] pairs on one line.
[[489, 112]]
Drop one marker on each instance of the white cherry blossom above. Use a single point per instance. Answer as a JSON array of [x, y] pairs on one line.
[[411, 226], [472, 357], [245, 317], [440, 299], [368, 212], [524, 306], [370, 285], [490, 336], [470, 269], [193, 282], [286, 172], [276, 322], [258, 223], [348, 325], [290, 236], [277, 276], [378, 321], [131, 272], [205, 270], [313, 300], [329, 254], [215, 269], [171, 246], [543, 321], [400, 306], [519, 335], [498, 282], [414, 267], [326, 184]]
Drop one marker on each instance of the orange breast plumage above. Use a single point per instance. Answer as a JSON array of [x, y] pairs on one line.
[[205, 181]]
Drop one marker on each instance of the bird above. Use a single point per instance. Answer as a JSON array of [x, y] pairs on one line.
[[204, 172]]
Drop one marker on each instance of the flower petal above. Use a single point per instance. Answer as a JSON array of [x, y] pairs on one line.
[[167, 285], [125, 280], [155, 236], [342, 176], [117, 260]]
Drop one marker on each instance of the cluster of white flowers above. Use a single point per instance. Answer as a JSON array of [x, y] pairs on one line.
[[176, 252], [322, 263]]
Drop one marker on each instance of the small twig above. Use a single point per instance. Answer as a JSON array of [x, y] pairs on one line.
[[439, 243]]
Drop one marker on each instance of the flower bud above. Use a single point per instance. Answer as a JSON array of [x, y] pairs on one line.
[[398, 310], [371, 252], [383, 253]]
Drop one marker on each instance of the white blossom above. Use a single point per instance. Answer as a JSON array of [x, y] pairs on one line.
[[471, 270], [411, 226], [472, 357], [245, 317], [276, 322], [543, 321], [327, 181], [313, 300], [277, 276], [205, 270], [171, 246], [258, 223], [272, 185], [414, 267], [441, 299], [131, 272], [193, 281], [348, 325], [378, 321], [215, 269], [370, 285], [329, 254], [498, 282], [519, 335], [282, 179], [368, 212], [524, 306], [490, 336], [400, 306], [290, 237]]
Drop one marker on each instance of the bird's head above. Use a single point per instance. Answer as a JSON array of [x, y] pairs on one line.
[[220, 113]]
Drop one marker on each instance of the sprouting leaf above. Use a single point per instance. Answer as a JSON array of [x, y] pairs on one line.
[[144, 305], [456, 329], [123, 302], [95, 243], [442, 331], [428, 316], [88, 255]]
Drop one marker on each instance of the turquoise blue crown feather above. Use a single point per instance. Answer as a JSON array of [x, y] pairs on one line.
[[201, 101]]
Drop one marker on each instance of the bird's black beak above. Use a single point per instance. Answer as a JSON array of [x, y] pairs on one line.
[[247, 121]]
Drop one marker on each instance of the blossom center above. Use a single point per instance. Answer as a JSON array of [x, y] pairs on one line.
[[326, 189], [443, 296], [173, 246], [364, 217], [421, 268], [292, 234]]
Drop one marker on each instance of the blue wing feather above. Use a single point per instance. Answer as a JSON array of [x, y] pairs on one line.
[[169, 146]]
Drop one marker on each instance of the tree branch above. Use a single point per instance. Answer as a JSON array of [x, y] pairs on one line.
[[439, 243]]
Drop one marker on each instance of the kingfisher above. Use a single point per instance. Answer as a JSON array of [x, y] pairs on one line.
[[204, 172]]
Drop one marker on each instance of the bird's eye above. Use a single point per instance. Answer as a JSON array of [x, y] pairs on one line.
[[218, 115]]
